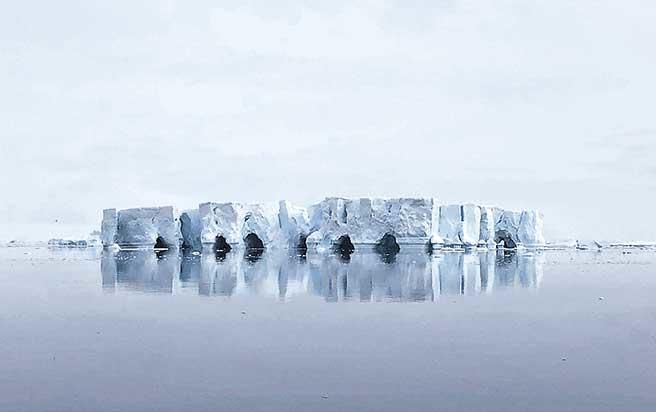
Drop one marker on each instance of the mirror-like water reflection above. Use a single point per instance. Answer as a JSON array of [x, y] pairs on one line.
[[364, 277]]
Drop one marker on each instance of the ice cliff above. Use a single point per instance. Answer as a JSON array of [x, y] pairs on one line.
[[141, 227], [190, 230], [109, 227], [237, 224], [332, 223], [366, 221]]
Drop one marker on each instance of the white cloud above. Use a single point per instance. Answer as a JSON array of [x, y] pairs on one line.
[[526, 104]]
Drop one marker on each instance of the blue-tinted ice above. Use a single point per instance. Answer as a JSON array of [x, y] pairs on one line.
[[362, 277]]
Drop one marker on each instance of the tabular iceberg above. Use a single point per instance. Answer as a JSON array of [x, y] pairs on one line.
[[332, 223]]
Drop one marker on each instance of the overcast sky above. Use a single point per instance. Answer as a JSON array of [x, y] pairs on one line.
[[521, 104]]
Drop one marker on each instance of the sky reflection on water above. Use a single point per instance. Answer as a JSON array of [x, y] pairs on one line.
[[183, 332], [363, 277]]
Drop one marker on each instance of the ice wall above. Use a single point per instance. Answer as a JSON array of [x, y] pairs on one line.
[[190, 229], [366, 221], [470, 225], [486, 236], [294, 223], [449, 224], [519, 229], [109, 226], [506, 229], [142, 227], [220, 219], [530, 231], [235, 221], [459, 225]]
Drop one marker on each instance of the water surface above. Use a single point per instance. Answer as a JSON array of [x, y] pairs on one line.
[[88, 330]]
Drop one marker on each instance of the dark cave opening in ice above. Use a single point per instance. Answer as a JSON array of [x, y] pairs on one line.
[[160, 243], [387, 245], [505, 239], [344, 246], [301, 247], [252, 241]]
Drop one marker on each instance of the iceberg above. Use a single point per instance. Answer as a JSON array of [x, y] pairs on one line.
[[384, 222], [190, 229], [220, 220], [152, 227], [525, 228], [239, 225], [109, 226], [460, 225], [333, 224], [506, 229], [449, 224], [530, 230], [295, 224], [471, 225], [486, 236]]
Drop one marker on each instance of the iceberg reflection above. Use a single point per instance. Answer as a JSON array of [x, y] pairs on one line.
[[139, 270], [364, 277]]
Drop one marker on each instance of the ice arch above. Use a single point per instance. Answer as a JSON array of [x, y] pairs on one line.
[[344, 246], [253, 241], [387, 245], [504, 238], [302, 244], [254, 247], [221, 245], [160, 243]]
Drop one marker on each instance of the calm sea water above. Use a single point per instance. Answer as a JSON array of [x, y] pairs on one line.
[[86, 330]]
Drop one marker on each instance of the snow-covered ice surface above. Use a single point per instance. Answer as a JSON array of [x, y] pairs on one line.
[[107, 330]]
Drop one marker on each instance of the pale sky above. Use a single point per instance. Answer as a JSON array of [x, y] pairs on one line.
[[521, 104]]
